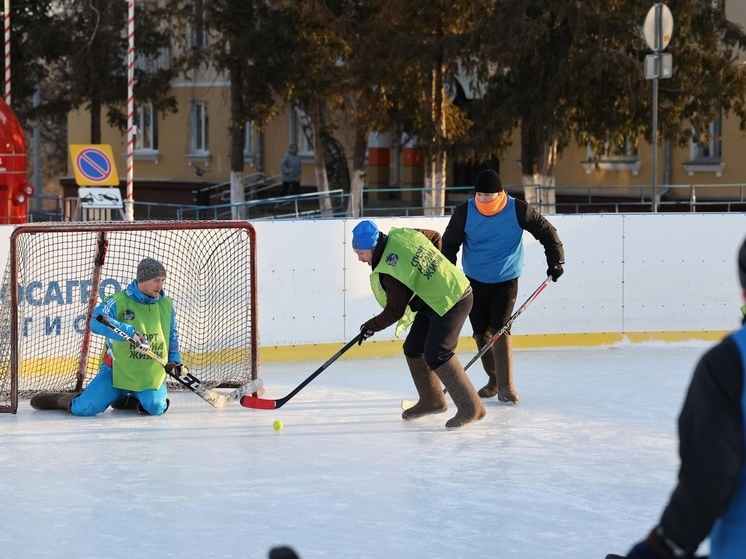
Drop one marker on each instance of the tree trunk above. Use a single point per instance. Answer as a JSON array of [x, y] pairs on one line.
[[434, 195], [358, 171], [95, 110], [322, 184], [238, 196], [547, 203]]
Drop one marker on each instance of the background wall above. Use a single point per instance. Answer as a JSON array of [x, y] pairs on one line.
[[639, 277]]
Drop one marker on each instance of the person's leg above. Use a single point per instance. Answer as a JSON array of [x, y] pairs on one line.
[[479, 317], [296, 187], [502, 305], [431, 399], [98, 395], [154, 402], [440, 347]]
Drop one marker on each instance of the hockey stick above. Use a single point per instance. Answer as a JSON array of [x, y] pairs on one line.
[[185, 377], [266, 404], [406, 404]]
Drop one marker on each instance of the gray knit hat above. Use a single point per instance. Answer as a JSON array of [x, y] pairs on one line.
[[149, 268]]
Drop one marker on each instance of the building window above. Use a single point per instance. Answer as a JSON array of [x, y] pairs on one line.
[[707, 156], [297, 136], [198, 129], [198, 39], [199, 147], [618, 155], [248, 140], [146, 122]]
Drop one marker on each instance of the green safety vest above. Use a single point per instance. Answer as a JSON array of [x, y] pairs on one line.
[[132, 370], [411, 258]]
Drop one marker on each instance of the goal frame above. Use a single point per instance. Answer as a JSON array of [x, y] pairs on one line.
[[77, 227]]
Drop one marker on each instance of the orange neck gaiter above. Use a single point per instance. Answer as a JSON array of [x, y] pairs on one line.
[[491, 208]]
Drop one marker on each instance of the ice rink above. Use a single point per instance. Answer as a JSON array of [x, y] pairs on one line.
[[580, 468]]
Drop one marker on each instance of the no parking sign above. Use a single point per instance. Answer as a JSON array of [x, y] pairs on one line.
[[93, 165]]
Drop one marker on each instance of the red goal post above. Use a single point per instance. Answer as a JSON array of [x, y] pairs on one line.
[[58, 272]]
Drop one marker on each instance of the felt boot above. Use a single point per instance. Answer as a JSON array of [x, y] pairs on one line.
[[504, 365], [53, 400], [489, 390], [128, 402], [470, 408], [428, 387]]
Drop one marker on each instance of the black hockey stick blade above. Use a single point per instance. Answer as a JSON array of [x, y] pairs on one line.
[[267, 404]]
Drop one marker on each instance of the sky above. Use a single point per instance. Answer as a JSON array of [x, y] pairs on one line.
[[582, 467]]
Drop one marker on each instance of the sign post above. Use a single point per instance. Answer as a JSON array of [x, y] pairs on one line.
[[94, 166], [657, 31]]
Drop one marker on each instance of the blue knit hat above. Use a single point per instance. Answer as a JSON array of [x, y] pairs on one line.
[[364, 235]]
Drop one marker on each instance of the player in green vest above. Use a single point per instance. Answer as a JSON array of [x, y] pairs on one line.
[[127, 378], [415, 283]]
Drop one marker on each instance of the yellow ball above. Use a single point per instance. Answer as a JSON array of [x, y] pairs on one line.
[[277, 425]]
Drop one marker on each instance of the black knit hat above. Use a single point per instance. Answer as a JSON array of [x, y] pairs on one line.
[[742, 265], [488, 181]]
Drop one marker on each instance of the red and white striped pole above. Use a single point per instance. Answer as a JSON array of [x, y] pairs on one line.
[[6, 22], [129, 201]]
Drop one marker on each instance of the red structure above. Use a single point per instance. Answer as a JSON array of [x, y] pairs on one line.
[[15, 190]]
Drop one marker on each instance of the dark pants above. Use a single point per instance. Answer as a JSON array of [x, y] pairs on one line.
[[286, 186], [436, 337], [493, 304]]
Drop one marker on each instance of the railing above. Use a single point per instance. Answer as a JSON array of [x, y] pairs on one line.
[[408, 202], [302, 205]]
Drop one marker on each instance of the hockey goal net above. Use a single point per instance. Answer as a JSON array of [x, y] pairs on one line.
[[57, 273]]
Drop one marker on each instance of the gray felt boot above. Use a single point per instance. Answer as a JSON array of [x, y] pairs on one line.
[[428, 387], [53, 400], [489, 390], [504, 365], [470, 407]]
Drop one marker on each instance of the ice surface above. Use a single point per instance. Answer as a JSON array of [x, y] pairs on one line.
[[581, 467]]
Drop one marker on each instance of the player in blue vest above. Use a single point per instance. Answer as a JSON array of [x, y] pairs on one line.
[[710, 498], [490, 229]]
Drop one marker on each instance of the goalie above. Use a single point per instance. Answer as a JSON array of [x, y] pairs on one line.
[[127, 377]]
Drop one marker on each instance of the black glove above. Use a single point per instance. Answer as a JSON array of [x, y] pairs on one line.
[[555, 270], [642, 551], [365, 333], [177, 369]]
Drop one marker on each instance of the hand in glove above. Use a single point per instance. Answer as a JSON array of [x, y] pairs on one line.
[[555, 270], [144, 346], [176, 369], [365, 333]]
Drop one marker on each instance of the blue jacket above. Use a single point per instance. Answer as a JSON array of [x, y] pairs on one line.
[[108, 308]]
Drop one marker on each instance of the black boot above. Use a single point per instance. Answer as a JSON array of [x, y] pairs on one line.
[[128, 402]]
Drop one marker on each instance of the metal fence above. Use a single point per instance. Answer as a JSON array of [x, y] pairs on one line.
[[380, 202]]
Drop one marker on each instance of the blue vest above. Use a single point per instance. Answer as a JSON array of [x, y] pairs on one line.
[[493, 245], [728, 535]]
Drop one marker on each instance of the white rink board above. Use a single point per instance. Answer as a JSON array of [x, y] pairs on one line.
[[624, 273], [680, 271]]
